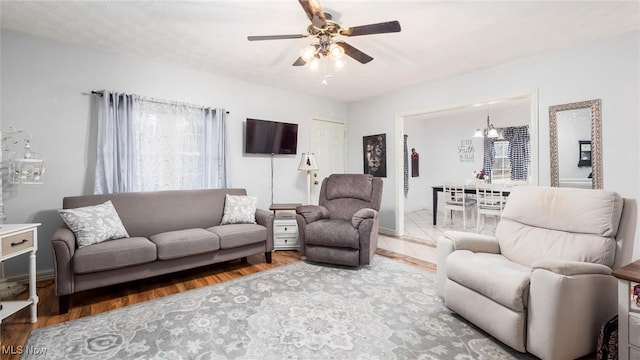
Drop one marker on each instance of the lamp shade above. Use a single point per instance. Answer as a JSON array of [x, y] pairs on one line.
[[478, 134], [493, 133], [308, 162]]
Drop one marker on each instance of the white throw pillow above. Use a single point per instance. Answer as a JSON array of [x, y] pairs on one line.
[[94, 224], [239, 210]]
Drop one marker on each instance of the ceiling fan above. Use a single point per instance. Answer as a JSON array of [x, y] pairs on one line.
[[325, 31]]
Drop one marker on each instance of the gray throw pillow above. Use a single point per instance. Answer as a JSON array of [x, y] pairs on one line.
[[239, 210], [94, 224]]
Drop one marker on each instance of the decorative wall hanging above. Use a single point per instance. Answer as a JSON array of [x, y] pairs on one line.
[[415, 163], [374, 150], [466, 151]]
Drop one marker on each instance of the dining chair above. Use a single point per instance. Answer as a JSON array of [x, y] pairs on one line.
[[455, 199], [490, 200]]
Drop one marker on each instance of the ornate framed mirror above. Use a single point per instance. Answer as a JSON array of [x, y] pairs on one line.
[[571, 127]]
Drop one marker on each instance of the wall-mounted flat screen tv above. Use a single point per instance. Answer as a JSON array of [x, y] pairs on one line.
[[270, 137]]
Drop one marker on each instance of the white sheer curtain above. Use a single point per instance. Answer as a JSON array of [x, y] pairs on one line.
[[168, 146]]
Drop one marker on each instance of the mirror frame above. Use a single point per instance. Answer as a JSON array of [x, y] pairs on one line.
[[596, 140]]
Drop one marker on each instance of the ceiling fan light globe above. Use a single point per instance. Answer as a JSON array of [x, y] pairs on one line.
[[308, 53], [315, 64], [336, 51]]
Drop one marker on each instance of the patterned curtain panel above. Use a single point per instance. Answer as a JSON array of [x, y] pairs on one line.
[[489, 156], [406, 167], [519, 151]]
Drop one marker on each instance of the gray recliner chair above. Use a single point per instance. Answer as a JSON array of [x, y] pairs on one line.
[[343, 228]]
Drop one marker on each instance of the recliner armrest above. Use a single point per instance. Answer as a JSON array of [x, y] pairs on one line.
[[473, 242], [361, 215], [569, 268], [312, 213]]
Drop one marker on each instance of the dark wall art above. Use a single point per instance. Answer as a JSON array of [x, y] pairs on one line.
[[374, 149]]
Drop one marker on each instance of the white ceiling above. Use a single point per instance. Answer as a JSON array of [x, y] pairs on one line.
[[438, 39]]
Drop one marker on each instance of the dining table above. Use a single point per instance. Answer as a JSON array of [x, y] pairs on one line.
[[471, 190]]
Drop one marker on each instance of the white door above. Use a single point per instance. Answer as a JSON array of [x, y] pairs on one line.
[[328, 143]]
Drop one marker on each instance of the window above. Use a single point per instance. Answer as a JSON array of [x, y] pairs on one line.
[[501, 170], [148, 145], [169, 146]]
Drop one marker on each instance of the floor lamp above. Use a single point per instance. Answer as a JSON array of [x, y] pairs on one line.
[[308, 164], [26, 167]]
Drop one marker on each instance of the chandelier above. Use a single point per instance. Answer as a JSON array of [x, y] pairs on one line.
[[490, 131]]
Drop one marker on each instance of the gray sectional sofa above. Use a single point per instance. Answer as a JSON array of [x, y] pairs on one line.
[[168, 231]]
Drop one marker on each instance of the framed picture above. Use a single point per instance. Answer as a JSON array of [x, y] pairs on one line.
[[374, 150], [585, 153]]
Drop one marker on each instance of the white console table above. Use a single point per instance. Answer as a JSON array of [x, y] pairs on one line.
[[16, 240]]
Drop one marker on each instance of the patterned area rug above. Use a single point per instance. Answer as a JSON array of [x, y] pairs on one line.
[[387, 310]]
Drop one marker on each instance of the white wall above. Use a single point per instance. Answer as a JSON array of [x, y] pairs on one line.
[[606, 69], [45, 87]]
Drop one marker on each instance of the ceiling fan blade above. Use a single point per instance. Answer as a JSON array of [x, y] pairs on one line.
[[354, 53], [276, 37], [314, 13], [299, 62], [379, 28]]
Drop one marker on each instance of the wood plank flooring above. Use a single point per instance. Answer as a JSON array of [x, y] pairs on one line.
[[16, 328]]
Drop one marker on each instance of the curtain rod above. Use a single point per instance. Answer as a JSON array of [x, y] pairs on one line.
[[101, 93]]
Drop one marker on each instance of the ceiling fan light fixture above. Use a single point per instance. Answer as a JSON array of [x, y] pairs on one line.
[[308, 53], [336, 51], [315, 64]]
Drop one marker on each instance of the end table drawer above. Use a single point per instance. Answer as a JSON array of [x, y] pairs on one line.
[[286, 242], [18, 242], [634, 330], [286, 228]]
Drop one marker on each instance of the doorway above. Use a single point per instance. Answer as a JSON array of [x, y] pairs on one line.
[[434, 162]]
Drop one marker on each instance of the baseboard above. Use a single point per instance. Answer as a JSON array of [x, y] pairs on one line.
[[386, 231], [24, 278]]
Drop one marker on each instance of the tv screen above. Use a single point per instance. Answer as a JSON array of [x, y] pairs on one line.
[[270, 137]]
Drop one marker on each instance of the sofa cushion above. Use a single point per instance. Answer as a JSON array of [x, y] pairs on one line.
[[181, 243], [333, 232], [555, 208], [526, 244], [113, 254], [94, 224], [491, 275], [236, 235]]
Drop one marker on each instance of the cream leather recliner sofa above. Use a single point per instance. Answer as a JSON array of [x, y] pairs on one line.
[[543, 284]]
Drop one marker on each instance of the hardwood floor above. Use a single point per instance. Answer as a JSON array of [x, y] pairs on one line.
[[16, 328]]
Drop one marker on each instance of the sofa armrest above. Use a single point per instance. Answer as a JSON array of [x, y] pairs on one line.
[[63, 245], [570, 268], [265, 218], [473, 242], [312, 213], [568, 308], [361, 215]]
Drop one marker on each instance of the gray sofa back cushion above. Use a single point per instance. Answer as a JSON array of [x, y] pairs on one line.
[[149, 213]]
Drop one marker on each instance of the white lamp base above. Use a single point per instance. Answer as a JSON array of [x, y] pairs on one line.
[[8, 289]]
